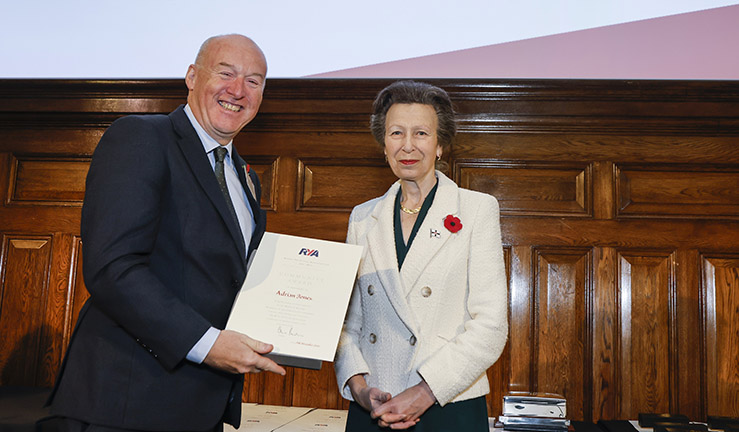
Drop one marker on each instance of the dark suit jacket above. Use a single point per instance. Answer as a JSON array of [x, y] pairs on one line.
[[163, 261]]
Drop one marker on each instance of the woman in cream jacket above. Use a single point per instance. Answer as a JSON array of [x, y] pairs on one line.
[[428, 314]]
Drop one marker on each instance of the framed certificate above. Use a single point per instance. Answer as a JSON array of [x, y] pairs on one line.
[[295, 297]]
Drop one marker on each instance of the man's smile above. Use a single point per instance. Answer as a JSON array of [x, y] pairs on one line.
[[229, 106]]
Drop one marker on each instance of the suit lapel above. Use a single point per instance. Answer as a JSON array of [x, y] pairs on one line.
[[381, 246], [250, 182], [191, 147], [246, 181], [432, 235]]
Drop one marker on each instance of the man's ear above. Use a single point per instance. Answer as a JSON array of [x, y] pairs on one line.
[[190, 77]]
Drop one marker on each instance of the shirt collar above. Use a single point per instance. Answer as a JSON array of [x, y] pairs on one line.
[[209, 144]]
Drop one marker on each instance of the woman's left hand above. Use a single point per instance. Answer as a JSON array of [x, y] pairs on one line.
[[405, 409]]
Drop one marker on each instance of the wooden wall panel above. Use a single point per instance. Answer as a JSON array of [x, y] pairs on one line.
[[619, 220], [23, 296], [647, 317], [499, 374], [266, 169], [552, 189], [562, 335], [686, 192], [328, 185], [522, 314], [516, 142], [56, 325], [310, 388], [604, 321], [269, 388], [691, 394], [721, 290], [39, 136], [50, 181]]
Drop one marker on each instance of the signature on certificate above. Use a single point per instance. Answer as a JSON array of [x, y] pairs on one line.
[[290, 331]]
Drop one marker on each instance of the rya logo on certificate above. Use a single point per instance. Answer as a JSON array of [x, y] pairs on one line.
[[309, 252]]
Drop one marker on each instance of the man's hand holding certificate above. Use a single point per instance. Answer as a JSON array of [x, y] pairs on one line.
[[295, 297]]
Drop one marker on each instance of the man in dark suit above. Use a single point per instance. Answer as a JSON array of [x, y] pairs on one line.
[[170, 217]]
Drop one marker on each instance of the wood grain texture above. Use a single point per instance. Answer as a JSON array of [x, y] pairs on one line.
[[266, 168], [604, 321], [721, 290], [530, 189], [619, 220], [499, 375], [646, 306], [710, 192], [48, 181], [522, 314], [23, 295], [563, 336], [690, 391], [328, 185]]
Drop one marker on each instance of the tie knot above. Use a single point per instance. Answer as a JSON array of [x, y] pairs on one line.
[[220, 153]]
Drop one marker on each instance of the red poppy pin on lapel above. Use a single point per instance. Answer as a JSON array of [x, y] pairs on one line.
[[452, 223]]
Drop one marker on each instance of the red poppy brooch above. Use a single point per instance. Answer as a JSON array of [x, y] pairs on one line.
[[452, 223]]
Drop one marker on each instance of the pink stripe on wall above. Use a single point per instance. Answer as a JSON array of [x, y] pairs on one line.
[[696, 45]]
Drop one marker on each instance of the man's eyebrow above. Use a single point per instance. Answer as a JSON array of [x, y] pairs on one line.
[[232, 67]]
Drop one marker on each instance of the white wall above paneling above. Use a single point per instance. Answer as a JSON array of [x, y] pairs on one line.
[[159, 38]]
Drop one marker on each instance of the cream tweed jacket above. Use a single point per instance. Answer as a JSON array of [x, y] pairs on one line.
[[444, 317]]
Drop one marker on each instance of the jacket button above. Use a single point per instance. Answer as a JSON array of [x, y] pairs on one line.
[[412, 340], [371, 290], [372, 338], [425, 291]]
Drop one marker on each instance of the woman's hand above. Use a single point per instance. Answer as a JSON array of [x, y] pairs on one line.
[[405, 409], [368, 398]]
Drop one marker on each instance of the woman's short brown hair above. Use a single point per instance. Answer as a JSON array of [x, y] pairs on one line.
[[413, 92]]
